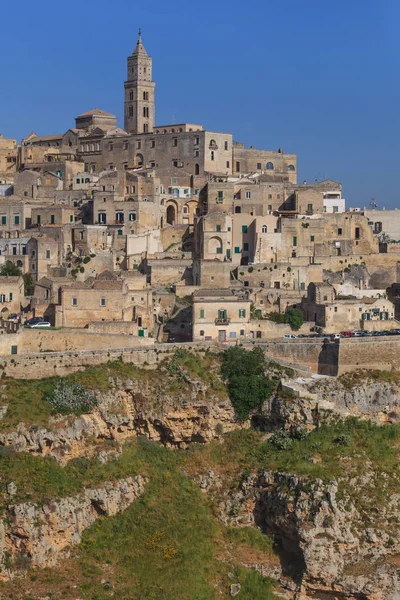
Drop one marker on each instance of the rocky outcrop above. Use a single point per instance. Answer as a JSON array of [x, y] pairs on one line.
[[330, 548], [131, 408], [38, 535], [361, 395]]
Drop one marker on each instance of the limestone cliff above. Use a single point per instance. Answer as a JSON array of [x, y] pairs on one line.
[[37, 535], [192, 414]]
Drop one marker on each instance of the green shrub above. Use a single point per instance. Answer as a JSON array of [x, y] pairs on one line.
[[248, 386], [86, 260], [281, 440], [71, 397]]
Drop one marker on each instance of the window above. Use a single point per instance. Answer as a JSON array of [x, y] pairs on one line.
[[212, 154], [119, 231], [270, 166], [4, 220], [201, 332], [52, 219], [219, 250], [259, 166], [132, 216], [246, 246], [153, 143], [278, 196], [175, 142], [202, 313], [197, 140], [264, 229], [196, 169], [237, 167], [294, 240], [146, 111], [357, 233], [237, 250], [339, 231], [175, 163], [126, 146], [131, 111], [232, 335], [102, 301], [14, 250], [11, 296], [102, 218], [119, 217], [335, 209], [269, 196], [110, 146], [244, 228], [238, 210], [226, 146], [220, 197], [47, 253], [291, 168], [16, 219], [74, 301], [309, 207], [229, 228], [311, 238], [145, 95], [145, 128], [227, 164], [78, 181], [218, 228], [248, 194]]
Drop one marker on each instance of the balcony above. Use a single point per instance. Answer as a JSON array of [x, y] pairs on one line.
[[222, 321]]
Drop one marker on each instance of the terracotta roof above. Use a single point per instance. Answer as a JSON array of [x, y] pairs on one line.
[[95, 111]]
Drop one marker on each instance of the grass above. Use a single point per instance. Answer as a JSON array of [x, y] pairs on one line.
[[367, 447], [166, 545]]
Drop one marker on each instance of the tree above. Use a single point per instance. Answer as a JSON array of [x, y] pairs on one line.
[[295, 318], [248, 386], [9, 268]]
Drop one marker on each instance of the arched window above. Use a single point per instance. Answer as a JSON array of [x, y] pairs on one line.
[[270, 166], [215, 245], [87, 180], [145, 128], [291, 168], [119, 217], [213, 144], [264, 229], [185, 210], [238, 209], [196, 169], [139, 160]]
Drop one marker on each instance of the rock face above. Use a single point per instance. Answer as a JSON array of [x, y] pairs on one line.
[[330, 549], [361, 396], [41, 534], [131, 408]]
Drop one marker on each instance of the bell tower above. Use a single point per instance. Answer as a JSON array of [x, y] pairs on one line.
[[139, 108]]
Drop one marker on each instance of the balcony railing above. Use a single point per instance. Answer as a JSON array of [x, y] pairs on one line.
[[222, 321]]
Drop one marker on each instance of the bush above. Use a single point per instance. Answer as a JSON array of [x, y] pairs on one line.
[[81, 269], [86, 260], [281, 440], [295, 318], [71, 397], [10, 269], [248, 386], [250, 269]]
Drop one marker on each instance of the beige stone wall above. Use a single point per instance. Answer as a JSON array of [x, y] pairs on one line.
[[89, 306]]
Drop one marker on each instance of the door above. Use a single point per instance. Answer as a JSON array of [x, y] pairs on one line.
[[222, 335]]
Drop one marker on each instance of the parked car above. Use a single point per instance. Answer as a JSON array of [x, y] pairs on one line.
[[346, 334], [336, 336], [290, 336], [34, 320], [40, 324]]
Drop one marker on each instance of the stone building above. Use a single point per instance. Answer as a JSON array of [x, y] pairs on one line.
[[219, 314], [8, 159], [11, 294], [335, 314]]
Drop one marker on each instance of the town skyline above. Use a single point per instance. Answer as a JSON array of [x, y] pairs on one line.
[[305, 113]]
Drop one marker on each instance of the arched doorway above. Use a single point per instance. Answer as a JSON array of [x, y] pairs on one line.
[[139, 160], [171, 214], [196, 169]]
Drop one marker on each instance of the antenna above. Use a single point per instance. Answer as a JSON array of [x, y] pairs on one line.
[[373, 203]]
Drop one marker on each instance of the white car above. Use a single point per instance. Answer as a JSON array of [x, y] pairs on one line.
[[290, 336], [40, 324]]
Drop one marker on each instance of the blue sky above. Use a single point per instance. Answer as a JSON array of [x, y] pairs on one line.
[[320, 78]]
